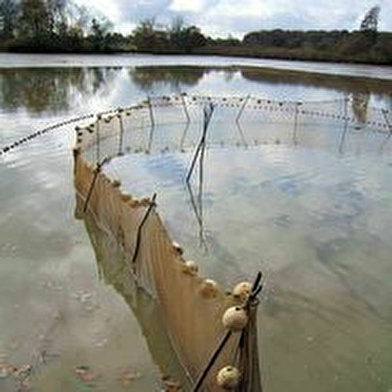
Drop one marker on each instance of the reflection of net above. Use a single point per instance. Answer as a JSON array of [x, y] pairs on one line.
[[192, 307]]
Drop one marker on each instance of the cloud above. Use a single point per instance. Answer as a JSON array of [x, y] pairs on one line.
[[224, 17], [188, 6]]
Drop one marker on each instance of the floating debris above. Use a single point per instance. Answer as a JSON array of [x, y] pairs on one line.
[[171, 385], [128, 377], [84, 373]]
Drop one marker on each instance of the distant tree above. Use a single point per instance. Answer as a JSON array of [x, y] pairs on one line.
[[8, 16], [370, 20], [99, 33], [175, 31], [147, 39], [184, 38], [193, 38], [143, 34], [57, 14], [34, 19], [369, 25]]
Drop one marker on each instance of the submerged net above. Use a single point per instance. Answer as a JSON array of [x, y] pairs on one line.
[[148, 268], [192, 307]]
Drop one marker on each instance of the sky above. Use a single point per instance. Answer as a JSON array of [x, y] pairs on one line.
[[221, 18]]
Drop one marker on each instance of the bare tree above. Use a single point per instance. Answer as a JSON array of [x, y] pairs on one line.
[[370, 20], [8, 16]]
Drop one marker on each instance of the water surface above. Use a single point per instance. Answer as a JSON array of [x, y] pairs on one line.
[[315, 220]]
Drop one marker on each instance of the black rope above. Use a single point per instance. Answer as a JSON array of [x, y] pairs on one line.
[[139, 229], [43, 131], [51, 127], [251, 301], [212, 360], [96, 172], [256, 288]]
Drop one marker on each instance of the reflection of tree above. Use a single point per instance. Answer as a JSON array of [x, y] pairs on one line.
[[360, 102], [346, 84], [38, 90], [147, 78]]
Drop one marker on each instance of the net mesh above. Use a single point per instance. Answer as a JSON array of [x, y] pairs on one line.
[[190, 306], [173, 123]]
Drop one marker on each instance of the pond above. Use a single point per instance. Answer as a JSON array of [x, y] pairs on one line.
[[314, 216]]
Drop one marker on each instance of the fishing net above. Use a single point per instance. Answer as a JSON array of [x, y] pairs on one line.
[[173, 123], [192, 307], [136, 253]]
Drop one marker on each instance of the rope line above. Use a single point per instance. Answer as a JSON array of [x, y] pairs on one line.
[[361, 114]]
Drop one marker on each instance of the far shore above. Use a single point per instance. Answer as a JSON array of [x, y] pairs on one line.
[[360, 76]]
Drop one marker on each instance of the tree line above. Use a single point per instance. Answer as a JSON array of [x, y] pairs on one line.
[[64, 26], [55, 26]]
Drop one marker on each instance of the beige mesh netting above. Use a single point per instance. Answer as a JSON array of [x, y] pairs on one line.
[[191, 307], [149, 269]]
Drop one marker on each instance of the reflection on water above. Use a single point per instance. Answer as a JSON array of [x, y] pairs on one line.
[[349, 85], [149, 79], [38, 90], [314, 222], [360, 104], [61, 89]]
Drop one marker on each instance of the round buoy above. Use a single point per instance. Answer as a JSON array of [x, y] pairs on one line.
[[235, 318], [228, 377], [125, 197], [209, 288], [242, 291], [190, 267], [177, 247]]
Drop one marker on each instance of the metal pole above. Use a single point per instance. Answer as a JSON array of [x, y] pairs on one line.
[[297, 105], [97, 137], [139, 229], [385, 114], [121, 141], [208, 110], [345, 128], [242, 108], [96, 172], [188, 119], [150, 111]]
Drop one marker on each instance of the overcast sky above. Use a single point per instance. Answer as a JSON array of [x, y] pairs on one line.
[[236, 17]]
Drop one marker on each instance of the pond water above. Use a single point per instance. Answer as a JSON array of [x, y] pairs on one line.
[[315, 220]]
